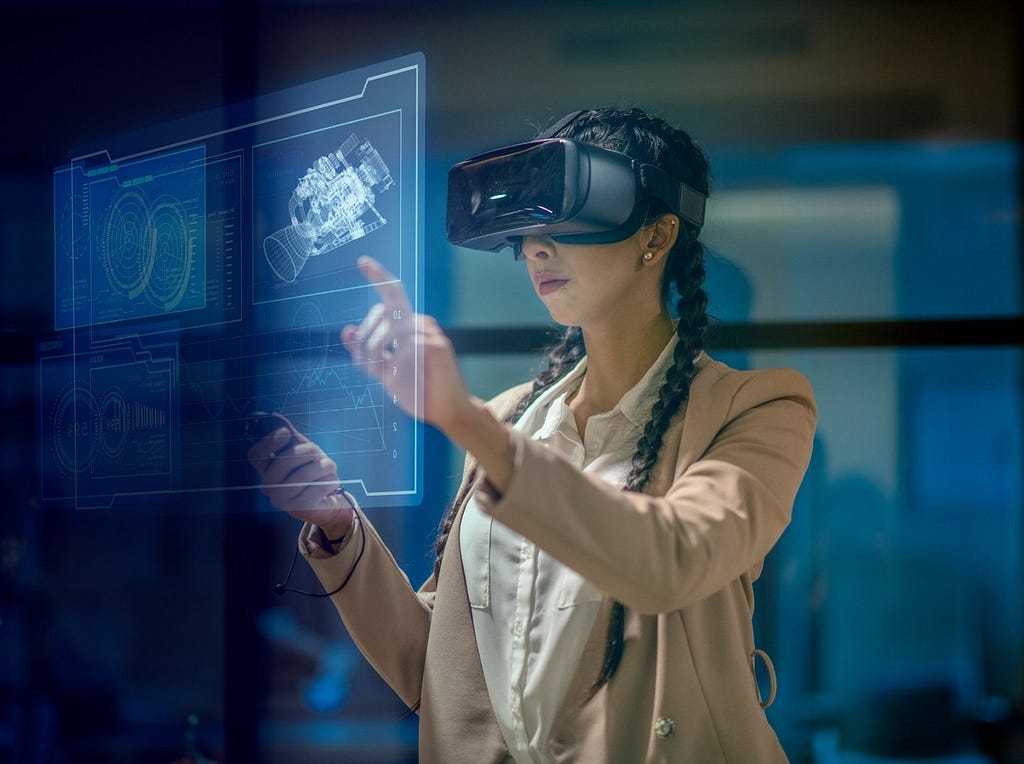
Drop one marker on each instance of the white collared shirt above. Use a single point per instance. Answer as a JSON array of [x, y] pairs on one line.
[[531, 614]]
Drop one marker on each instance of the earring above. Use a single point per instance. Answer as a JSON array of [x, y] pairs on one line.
[[648, 256]]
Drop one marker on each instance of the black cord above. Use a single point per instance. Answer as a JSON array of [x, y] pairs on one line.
[[281, 588]]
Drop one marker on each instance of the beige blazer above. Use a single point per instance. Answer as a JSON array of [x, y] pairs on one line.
[[682, 558]]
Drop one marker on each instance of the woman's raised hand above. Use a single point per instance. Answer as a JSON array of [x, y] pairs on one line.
[[389, 344], [392, 339]]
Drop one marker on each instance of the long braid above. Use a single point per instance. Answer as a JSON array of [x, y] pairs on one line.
[[652, 140], [675, 390], [692, 326], [561, 359]]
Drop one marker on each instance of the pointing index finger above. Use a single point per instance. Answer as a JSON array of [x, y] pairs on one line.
[[387, 285]]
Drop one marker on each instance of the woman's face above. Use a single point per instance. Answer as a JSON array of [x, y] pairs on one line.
[[586, 286]]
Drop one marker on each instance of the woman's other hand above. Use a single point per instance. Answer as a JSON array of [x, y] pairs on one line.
[[299, 478]]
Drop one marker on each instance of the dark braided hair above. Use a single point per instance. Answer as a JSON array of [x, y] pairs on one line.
[[653, 141]]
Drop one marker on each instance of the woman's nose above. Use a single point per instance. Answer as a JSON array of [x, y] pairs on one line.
[[534, 248]]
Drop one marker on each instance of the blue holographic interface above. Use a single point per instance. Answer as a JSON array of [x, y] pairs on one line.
[[203, 270]]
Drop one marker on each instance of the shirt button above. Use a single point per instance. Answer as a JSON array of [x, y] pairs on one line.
[[518, 628], [664, 728]]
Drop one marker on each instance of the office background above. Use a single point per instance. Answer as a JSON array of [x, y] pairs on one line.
[[864, 228]]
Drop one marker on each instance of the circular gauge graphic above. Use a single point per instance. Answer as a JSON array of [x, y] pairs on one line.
[[113, 420], [128, 246], [307, 341], [171, 254], [74, 429]]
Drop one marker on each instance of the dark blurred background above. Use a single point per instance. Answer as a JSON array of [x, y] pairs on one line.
[[864, 228]]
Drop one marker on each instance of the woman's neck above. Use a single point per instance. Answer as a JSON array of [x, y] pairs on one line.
[[617, 358]]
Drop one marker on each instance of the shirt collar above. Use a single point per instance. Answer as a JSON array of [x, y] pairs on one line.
[[635, 405], [552, 400]]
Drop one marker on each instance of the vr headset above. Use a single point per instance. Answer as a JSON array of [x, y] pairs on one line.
[[574, 193]]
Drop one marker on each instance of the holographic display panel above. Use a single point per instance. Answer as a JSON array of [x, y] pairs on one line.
[[203, 271]]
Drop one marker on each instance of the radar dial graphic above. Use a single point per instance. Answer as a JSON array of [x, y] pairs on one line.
[[146, 247], [75, 431], [172, 253], [128, 243], [113, 417]]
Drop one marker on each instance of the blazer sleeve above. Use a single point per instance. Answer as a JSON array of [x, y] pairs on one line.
[[386, 618], [743, 447]]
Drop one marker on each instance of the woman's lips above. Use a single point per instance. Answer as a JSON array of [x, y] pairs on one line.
[[548, 285]]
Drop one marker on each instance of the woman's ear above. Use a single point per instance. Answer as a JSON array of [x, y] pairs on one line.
[[662, 234]]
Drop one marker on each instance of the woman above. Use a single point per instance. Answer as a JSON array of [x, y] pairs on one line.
[[591, 599]]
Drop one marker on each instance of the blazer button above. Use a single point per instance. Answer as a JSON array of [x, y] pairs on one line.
[[664, 728]]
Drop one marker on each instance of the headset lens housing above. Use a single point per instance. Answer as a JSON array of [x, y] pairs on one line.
[[494, 194], [573, 192]]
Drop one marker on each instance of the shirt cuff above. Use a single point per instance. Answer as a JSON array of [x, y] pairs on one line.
[[311, 540]]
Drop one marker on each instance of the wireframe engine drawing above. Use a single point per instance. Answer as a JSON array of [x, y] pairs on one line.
[[332, 205]]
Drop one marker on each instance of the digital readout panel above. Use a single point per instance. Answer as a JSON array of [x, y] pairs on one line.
[[202, 272]]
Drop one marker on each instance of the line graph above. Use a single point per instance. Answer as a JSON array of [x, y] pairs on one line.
[[296, 370]]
